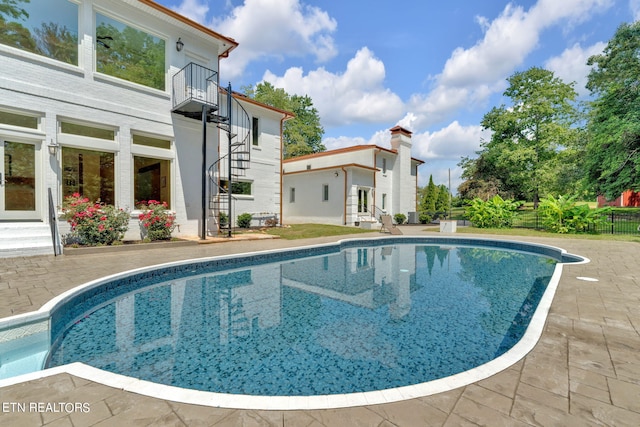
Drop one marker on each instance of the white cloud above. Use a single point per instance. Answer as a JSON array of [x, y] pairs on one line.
[[634, 5], [196, 10], [275, 28], [357, 95], [449, 143], [571, 65], [471, 75]]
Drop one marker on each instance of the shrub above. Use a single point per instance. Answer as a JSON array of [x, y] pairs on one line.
[[156, 221], [223, 219], [494, 213], [93, 223], [562, 215], [424, 218], [399, 218], [244, 220]]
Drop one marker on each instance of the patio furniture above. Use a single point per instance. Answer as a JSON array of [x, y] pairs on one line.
[[388, 225]]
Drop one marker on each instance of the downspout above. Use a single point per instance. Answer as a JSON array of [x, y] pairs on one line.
[[344, 213], [375, 166], [203, 225], [282, 120]]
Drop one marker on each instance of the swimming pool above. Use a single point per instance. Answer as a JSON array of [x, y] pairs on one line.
[[343, 319]]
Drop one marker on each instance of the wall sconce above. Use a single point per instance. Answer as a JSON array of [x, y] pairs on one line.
[[179, 44], [53, 148], [337, 173]]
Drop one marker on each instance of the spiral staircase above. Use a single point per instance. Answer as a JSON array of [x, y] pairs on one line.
[[197, 95]]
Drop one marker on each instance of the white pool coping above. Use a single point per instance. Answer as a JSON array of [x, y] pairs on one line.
[[239, 401]]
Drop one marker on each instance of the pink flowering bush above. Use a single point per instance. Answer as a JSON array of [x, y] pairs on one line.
[[93, 223], [156, 221]]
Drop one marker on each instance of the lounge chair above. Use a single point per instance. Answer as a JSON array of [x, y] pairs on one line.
[[388, 225]]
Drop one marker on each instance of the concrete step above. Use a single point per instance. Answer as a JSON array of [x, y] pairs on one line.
[[19, 239]]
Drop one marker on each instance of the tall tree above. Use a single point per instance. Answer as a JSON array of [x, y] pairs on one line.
[[613, 151], [302, 134], [429, 197], [442, 203], [528, 134]]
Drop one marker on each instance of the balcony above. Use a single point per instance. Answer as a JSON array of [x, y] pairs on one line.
[[195, 87]]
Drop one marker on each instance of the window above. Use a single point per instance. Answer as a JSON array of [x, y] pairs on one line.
[[149, 141], [384, 201], [242, 188], [255, 130], [151, 179], [292, 195], [89, 173], [363, 203], [21, 120], [384, 166], [129, 54], [89, 131], [325, 192], [48, 28]]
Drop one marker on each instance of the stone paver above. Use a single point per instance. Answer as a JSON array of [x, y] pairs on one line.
[[584, 371]]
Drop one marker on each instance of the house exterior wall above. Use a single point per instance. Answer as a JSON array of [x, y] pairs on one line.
[[309, 206], [55, 91], [368, 173]]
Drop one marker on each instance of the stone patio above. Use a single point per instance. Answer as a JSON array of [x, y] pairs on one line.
[[584, 371]]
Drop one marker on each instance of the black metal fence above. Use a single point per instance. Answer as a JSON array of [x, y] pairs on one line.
[[617, 222]]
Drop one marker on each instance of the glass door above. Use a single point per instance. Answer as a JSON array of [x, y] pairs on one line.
[[19, 186]]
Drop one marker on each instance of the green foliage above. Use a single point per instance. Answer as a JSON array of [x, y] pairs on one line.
[[156, 221], [429, 197], [493, 213], [399, 218], [442, 203], [563, 215], [93, 223], [434, 202], [613, 151], [223, 219], [520, 160], [301, 135], [244, 220], [424, 218]]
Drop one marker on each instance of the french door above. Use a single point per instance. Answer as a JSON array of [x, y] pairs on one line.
[[19, 180]]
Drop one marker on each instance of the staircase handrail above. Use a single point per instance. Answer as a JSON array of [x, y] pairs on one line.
[[53, 225]]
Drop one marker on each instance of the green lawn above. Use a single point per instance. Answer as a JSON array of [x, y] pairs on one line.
[[306, 231]]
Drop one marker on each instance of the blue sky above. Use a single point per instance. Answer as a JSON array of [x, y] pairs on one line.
[[433, 67]]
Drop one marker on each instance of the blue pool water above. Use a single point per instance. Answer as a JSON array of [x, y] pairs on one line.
[[361, 318]]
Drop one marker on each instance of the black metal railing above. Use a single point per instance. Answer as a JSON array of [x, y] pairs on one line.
[[195, 84], [616, 222], [53, 225]]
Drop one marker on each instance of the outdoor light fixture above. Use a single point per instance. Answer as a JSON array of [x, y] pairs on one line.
[[179, 44], [53, 148]]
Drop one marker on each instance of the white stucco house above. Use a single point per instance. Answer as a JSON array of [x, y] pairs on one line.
[[120, 100], [352, 185]]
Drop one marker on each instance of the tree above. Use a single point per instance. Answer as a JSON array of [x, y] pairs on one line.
[[302, 134], [613, 152], [528, 135], [442, 203], [429, 197]]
